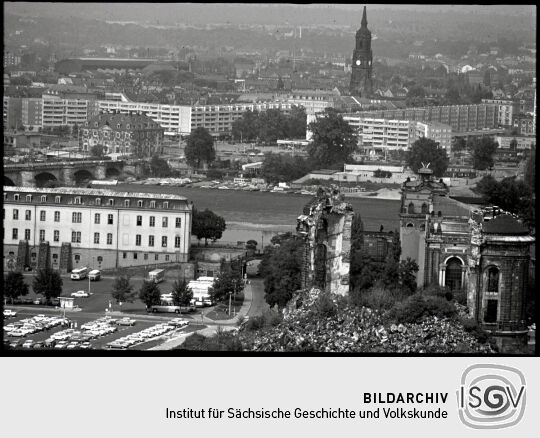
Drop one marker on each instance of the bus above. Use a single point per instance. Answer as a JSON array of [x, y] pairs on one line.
[[157, 275], [94, 275], [165, 309], [79, 274]]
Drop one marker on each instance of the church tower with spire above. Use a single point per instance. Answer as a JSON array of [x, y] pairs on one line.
[[361, 83]]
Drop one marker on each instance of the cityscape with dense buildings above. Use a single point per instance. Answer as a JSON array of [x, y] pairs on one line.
[[351, 179]]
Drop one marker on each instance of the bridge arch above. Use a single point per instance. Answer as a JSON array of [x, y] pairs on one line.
[[82, 176], [44, 178], [112, 172], [8, 181]]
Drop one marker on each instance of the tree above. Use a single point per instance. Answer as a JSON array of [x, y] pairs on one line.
[[158, 167], [424, 150], [416, 96], [47, 283], [333, 139], [181, 293], [97, 151], [200, 148], [279, 168], [406, 275], [296, 122], [272, 126], [229, 281], [452, 96], [247, 127], [14, 285], [281, 268], [207, 225], [459, 145], [150, 294], [483, 150], [122, 290], [510, 194]]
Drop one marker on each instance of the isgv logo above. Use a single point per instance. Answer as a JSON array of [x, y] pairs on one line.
[[491, 396]]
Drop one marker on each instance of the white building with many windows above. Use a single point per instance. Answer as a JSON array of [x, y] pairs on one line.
[[68, 228], [182, 119], [378, 135]]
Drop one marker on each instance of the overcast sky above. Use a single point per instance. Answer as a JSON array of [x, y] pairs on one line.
[[216, 11]]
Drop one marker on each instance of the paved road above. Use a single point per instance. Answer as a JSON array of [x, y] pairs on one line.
[[258, 303]]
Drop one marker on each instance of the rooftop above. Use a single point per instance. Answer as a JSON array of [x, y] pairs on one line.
[[92, 192], [504, 224], [450, 207]]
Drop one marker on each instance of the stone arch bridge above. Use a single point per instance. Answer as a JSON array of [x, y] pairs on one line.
[[68, 173]]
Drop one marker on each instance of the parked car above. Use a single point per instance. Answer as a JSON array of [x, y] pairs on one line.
[[80, 294], [8, 313], [126, 321]]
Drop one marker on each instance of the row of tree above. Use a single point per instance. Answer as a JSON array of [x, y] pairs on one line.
[[271, 125]]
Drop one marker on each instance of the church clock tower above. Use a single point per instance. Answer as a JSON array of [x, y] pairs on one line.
[[361, 84]]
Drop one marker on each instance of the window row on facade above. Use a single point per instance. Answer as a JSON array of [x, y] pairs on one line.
[[76, 237], [76, 218]]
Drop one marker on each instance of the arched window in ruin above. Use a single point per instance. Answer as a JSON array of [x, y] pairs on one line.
[[492, 280], [453, 274], [410, 225], [411, 208], [319, 275], [322, 229], [425, 208]]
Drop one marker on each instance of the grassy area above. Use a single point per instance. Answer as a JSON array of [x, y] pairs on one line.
[[220, 312]]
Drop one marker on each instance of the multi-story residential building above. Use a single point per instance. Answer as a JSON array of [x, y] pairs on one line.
[[525, 124], [12, 115], [313, 101], [522, 143], [462, 118], [507, 110], [438, 132], [219, 119], [383, 133], [123, 134], [379, 135], [11, 59], [175, 119], [57, 111], [32, 113], [52, 110], [68, 228], [182, 119]]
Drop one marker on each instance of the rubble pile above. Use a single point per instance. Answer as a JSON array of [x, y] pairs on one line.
[[362, 330]]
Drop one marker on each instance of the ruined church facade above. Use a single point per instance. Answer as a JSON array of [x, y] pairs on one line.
[[325, 227]]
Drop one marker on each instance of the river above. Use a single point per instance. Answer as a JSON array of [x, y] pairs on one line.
[[261, 215]]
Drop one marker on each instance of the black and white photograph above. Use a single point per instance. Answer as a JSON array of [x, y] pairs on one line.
[[269, 179]]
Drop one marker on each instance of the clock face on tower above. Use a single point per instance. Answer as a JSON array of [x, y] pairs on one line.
[[357, 62]]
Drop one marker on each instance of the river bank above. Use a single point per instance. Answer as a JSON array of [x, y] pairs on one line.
[[261, 215]]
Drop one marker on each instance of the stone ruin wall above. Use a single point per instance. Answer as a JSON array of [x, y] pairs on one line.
[[326, 229]]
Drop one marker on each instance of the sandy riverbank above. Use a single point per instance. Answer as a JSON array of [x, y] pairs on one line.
[[388, 194]]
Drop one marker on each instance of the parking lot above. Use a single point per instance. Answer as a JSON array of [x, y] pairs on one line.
[[100, 297], [51, 330]]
